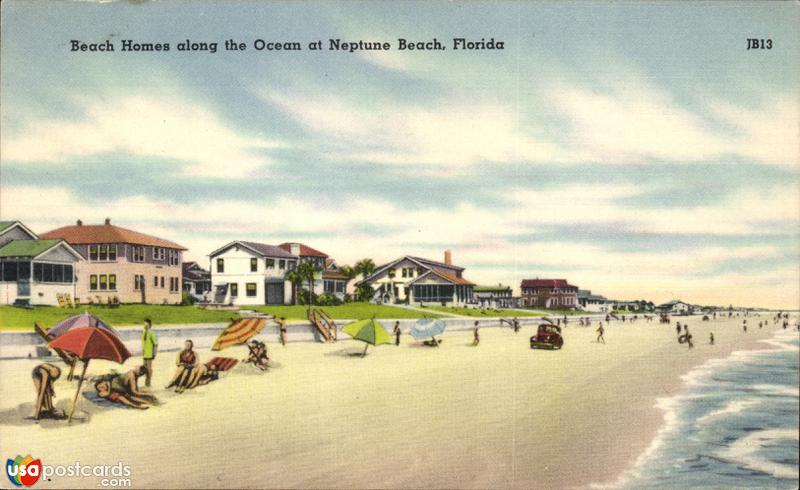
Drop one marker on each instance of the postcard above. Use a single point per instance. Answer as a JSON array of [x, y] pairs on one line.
[[399, 245]]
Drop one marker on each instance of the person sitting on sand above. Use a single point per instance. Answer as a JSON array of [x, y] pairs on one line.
[[104, 390], [600, 331], [187, 360], [44, 375], [434, 342], [258, 355], [202, 375]]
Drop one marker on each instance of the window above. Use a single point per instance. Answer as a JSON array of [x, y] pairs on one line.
[[159, 254], [137, 253], [174, 257], [93, 282], [112, 282], [162, 282], [173, 284], [405, 272], [155, 281], [254, 265], [42, 272], [103, 252], [58, 273], [292, 265], [48, 273], [103, 282], [92, 252], [339, 287], [220, 265], [251, 289], [138, 282], [112, 253], [269, 263], [234, 289], [281, 264]]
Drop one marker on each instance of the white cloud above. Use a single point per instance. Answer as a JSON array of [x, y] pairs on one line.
[[139, 125]]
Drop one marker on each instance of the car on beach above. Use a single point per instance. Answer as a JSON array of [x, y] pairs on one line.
[[547, 337]]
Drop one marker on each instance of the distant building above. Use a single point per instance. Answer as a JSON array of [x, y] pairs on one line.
[[638, 306], [122, 263], [412, 279], [549, 293], [593, 302], [494, 296], [251, 273], [676, 307], [196, 280], [34, 271], [334, 282]]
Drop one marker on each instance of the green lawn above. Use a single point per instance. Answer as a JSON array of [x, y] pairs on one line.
[[12, 318], [483, 313], [349, 311]]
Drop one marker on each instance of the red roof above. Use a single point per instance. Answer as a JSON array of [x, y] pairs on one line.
[[88, 234], [452, 277], [305, 250], [546, 283]]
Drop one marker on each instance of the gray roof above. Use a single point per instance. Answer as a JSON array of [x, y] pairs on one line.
[[260, 248]]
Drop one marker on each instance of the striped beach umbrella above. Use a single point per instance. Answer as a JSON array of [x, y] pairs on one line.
[[239, 332], [427, 327]]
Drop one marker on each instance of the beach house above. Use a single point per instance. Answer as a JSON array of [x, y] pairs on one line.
[[593, 302], [331, 280], [34, 271], [122, 264], [549, 294], [494, 296], [251, 273], [196, 280], [675, 307], [411, 279]]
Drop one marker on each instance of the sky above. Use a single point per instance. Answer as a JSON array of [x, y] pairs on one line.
[[637, 149]]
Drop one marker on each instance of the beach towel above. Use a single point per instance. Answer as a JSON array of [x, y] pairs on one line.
[[93, 397], [223, 363]]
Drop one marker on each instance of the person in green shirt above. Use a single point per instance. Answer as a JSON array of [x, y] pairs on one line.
[[149, 349]]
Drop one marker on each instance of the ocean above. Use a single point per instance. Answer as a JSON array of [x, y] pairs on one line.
[[735, 424]]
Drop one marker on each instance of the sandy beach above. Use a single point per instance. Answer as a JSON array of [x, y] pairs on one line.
[[498, 415]]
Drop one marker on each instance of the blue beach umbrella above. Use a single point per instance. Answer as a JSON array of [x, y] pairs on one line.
[[427, 327]]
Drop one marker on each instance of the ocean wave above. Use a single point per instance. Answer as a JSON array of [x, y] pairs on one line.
[[745, 452], [733, 407]]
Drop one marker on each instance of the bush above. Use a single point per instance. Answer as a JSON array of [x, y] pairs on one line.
[[327, 300], [187, 299]]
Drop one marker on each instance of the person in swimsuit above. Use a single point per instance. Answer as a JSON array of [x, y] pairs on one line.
[[44, 375], [187, 360], [282, 326], [600, 331], [105, 390], [397, 333], [202, 375], [476, 336]]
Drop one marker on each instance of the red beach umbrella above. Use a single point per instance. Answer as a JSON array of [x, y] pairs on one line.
[[89, 343]]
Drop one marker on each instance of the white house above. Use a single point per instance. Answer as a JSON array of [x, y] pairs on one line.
[[676, 307], [416, 280], [331, 280], [250, 273], [34, 271], [593, 302]]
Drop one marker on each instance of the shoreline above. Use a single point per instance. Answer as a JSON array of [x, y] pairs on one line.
[[663, 408]]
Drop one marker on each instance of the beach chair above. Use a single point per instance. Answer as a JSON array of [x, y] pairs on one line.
[[77, 302], [69, 359], [68, 301], [60, 299]]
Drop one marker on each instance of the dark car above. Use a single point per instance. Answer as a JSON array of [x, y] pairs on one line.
[[547, 337]]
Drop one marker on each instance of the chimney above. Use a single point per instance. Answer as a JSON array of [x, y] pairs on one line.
[[79, 223], [294, 249], [448, 257], [108, 221]]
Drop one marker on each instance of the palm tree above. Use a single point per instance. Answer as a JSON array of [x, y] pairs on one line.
[[365, 267], [349, 272], [295, 278], [308, 272]]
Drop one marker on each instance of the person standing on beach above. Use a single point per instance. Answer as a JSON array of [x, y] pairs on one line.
[[744, 326], [516, 325], [600, 331], [149, 350], [282, 329], [711, 338], [678, 327], [477, 337], [397, 333]]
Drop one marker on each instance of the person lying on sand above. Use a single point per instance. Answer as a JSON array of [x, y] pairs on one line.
[[201, 375], [187, 360], [127, 384], [105, 390], [258, 355], [434, 342], [44, 375]]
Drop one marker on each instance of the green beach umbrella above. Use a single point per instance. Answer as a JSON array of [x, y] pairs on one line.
[[368, 331]]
